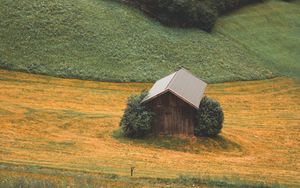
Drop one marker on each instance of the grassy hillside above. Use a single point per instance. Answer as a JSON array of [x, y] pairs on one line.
[[105, 40], [271, 31], [55, 123]]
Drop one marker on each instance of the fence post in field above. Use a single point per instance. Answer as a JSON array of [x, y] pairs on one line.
[[131, 171]]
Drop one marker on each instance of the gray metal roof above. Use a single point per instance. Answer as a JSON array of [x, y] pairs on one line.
[[182, 84]]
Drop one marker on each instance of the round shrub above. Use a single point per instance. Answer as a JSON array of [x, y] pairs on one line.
[[209, 118], [136, 121]]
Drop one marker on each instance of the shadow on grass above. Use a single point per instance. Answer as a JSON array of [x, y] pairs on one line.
[[191, 145]]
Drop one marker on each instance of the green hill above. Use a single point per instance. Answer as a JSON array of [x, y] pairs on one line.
[[271, 31], [105, 40]]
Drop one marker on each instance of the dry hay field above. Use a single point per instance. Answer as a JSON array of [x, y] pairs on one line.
[[53, 124]]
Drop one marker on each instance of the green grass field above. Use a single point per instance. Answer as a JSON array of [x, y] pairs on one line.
[[105, 40], [271, 31]]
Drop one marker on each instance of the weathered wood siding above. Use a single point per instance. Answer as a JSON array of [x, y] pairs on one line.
[[172, 116]]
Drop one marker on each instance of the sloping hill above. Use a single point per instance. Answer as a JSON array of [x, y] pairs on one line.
[[271, 31], [105, 40]]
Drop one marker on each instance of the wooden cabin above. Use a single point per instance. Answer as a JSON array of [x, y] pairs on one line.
[[174, 99]]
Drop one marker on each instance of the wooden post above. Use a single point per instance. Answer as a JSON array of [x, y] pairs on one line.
[[131, 171]]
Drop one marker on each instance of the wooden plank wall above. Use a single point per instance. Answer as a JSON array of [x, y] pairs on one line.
[[172, 116]]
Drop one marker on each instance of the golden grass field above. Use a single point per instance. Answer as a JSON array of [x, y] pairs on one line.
[[71, 124]]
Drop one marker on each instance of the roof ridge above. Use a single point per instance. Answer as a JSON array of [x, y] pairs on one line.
[[171, 80], [192, 74]]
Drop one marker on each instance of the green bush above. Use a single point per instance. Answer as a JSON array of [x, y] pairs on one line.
[[136, 121], [209, 118], [189, 13]]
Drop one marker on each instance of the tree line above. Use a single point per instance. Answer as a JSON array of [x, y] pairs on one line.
[[189, 13]]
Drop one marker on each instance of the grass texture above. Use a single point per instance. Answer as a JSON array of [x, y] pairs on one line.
[[271, 31], [67, 124], [108, 41]]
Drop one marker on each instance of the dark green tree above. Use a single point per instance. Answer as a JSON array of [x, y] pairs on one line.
[[209, 118], [190, 13], [136, 121]]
